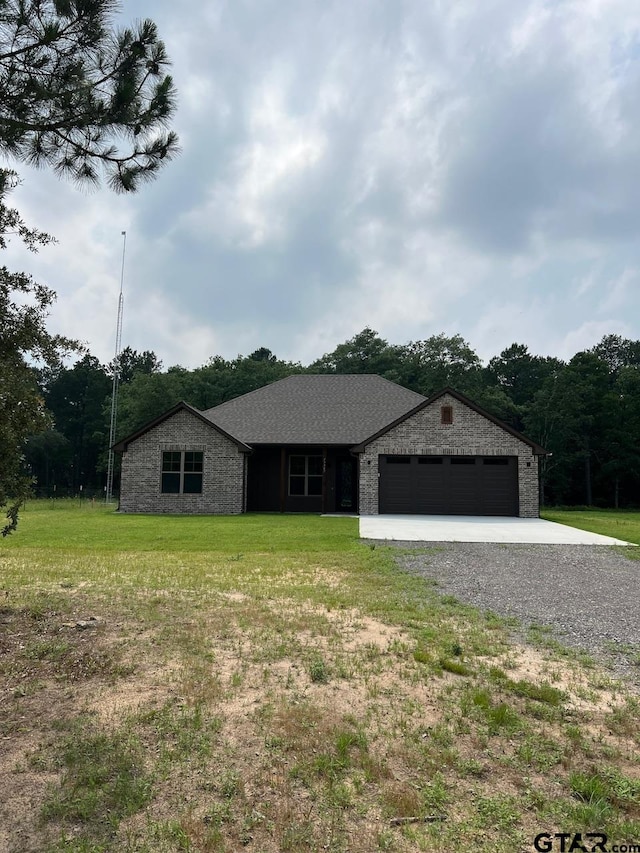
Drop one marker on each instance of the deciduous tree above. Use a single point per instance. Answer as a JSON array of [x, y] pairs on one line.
[[24, 339], [365, 352], [440, 360]]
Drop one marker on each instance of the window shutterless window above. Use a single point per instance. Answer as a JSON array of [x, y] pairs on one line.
[[446, 415], [171, 465], [305, 475], [181, 472], [192, 473]]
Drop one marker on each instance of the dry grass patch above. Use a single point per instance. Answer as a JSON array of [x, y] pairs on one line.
[[224, 739]]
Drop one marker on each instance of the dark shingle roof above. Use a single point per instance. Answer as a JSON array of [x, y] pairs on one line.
[[315, 409]]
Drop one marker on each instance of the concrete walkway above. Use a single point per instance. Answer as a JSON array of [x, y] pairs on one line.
[[455, 528]]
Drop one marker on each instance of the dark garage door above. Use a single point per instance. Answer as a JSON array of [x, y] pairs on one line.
[[449, 485]]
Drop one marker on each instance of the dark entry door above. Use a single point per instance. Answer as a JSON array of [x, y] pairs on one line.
[[449, 485], [346, 484]]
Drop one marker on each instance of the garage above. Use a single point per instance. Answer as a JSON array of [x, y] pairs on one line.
[[448, 485]]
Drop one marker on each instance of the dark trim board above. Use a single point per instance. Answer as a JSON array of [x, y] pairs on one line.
[[448, 485]]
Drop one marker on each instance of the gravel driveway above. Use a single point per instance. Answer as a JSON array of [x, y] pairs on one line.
[[589, 596]]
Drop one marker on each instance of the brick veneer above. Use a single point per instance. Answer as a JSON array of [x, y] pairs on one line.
[[223, 479], [470, 434]]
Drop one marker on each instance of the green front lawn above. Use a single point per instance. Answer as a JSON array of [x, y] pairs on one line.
[[623, 525], [77, 525]]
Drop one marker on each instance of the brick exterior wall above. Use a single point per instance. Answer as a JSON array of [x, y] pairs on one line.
[[223, 478], [470, 434]]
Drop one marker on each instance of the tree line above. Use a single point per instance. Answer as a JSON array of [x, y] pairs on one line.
[[585, 411]]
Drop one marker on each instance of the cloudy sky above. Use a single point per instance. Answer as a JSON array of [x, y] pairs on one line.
[[417, 166]]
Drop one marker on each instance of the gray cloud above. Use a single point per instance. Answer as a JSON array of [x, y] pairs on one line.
[[417, 167]]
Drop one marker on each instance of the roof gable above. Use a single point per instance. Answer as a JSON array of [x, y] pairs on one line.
[[122, 445], [537, 449], [321, 409]]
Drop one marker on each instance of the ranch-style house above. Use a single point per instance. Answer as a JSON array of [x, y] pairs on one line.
[[331, 444]]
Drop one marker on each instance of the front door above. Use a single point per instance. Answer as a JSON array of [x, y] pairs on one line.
[[346, 484]]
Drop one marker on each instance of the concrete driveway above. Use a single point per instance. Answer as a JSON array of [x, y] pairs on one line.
[[456, 528]]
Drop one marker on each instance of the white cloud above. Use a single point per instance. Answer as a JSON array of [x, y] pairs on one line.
[[617, 291], [587, 335], [585, 284], [178, 337]]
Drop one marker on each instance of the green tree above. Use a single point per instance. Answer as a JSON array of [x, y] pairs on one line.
[[210, 384], [519, 373], [24, 306], [568, 417], [247, 373], [48, 456], [617, 479], [82, 97], [617, 352], [620, 472], [130, 361], [520, 376], [76, 399], [263, 354], [365, 352], [439, 361]]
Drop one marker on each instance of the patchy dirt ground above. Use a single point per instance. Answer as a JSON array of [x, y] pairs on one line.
[[271, 726]]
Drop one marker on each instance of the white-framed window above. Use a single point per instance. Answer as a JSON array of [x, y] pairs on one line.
[[182, 472], [305, 475]]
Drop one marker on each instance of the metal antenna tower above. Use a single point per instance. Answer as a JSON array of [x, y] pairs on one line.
[[116, 379]]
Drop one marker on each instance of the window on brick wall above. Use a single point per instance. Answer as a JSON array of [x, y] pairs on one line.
[[181, 472], [446, 414]]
